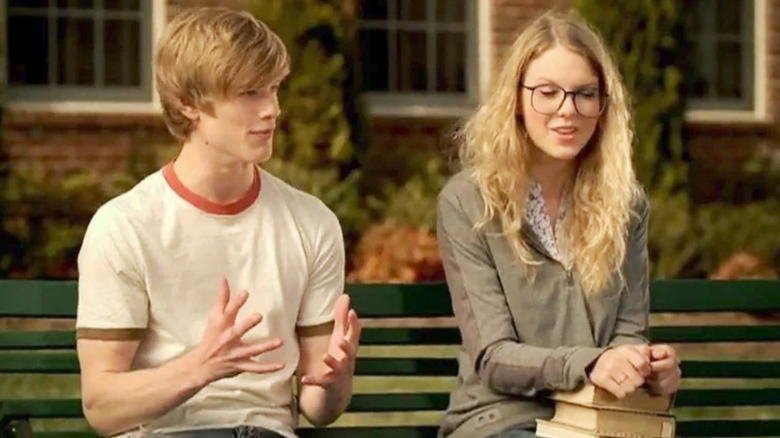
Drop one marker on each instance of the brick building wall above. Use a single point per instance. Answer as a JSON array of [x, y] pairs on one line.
[[62, 142], [507, 19], [719, 151]]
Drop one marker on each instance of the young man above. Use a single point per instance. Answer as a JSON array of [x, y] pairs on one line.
[[165, 347]]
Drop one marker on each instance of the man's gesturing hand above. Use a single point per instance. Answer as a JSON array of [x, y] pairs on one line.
[[342, 348], [221, 353]]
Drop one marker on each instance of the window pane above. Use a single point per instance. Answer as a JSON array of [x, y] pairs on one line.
[[122, 53], [412, 61], [699, 82], [729, 82], [451, 60], [374, 58], [75, 47], [411, 10], [122, 5], [76, 4], [728, 17], [27, 49], [372, 10], [451, 11]]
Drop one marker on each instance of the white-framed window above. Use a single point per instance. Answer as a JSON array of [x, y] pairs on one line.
[[79, 50], [417, 54], [727, 60]]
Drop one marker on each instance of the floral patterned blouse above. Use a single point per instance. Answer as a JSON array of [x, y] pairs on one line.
[[537, 217]]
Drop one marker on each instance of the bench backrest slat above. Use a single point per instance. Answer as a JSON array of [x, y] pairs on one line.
[[38, 298]]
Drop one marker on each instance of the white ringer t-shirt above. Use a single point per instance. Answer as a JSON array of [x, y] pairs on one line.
[[150, 268]]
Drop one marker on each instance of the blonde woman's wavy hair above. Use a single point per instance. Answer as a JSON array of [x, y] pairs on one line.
[[495, 150]]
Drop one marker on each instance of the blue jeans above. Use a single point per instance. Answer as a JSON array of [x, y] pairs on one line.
[[514, 433], [237, 432]]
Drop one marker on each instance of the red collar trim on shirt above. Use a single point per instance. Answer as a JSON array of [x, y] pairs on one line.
[[206, 205]]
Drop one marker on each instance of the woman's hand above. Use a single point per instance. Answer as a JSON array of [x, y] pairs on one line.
[[621, 370]]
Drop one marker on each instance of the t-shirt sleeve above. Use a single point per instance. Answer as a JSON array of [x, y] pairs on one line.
[[112, 299], [326, 278]]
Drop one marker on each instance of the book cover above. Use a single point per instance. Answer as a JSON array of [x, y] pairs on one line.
[[551, 429], [614, 422], [640, 400]]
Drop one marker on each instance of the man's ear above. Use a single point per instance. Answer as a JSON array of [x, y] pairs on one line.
[[189, 111]]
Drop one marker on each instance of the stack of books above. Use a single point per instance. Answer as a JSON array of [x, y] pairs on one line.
[[592, 412]]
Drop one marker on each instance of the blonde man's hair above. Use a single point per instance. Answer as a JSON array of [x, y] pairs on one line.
[[212, 52], [494, 149]]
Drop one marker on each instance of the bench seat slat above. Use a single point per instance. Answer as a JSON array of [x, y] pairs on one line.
[[65, 339], [727, 397], [27, 340], [26, 362], [43, 408], [67, 363], [405, 367], [410, 336], [765, 333], [735, 369], [728, 428], [399, 402]]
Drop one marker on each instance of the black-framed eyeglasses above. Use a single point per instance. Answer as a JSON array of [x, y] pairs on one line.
[[548, 99]]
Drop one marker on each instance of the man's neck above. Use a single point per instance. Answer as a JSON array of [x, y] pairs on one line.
[[211, 175]]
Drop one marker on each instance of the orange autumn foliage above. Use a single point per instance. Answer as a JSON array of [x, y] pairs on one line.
[[394, 253]]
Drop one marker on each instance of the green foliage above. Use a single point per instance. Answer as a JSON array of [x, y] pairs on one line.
[[642, 38], [46, 216], [46, 219], [313, 149], [645, 38], [412, 202]]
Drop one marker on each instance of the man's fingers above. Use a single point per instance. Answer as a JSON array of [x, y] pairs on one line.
[[332, 362], [349, 349], [251, 366], [223, 295], [246, 324], [247, 351], [354, 328], [340, 312], [321, 380], [234, 305]]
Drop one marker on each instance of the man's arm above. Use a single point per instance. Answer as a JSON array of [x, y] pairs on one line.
[[117, 399], [327, 365]]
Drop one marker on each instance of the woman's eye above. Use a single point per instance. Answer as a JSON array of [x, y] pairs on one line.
[[588, 93], [249, 93], [549, 92]]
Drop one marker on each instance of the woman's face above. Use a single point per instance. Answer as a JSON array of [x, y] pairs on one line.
[[560, 114]]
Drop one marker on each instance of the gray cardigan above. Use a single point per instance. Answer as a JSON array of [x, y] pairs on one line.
[[520, 339]]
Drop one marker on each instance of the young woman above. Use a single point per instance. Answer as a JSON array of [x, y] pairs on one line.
[[544, 238]]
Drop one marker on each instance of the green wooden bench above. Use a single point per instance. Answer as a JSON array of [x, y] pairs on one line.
[[400, 391]]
